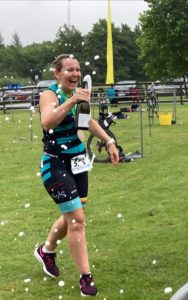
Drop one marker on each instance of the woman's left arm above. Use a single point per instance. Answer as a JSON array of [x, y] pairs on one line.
[[99, 132]]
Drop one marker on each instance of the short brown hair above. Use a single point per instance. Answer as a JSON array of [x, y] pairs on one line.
[[57, 63]]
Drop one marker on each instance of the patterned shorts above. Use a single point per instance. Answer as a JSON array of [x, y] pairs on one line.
[[67, 190]]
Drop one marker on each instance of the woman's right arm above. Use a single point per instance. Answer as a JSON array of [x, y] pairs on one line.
[[52, 114]]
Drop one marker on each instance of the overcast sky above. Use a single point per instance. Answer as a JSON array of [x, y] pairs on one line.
[[38, 21]]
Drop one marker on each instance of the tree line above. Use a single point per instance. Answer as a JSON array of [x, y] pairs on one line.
[[154, 50], [34, 60]]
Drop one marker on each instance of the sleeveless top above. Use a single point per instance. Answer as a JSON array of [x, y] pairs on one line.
[[62, 139]]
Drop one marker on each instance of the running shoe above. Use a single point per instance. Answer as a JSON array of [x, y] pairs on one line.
[[87, 286], [48, 262]]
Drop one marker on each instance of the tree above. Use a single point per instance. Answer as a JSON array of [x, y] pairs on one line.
[[126, 65], [16, 40], [69, 40], [90, 49], [126, 52], [1, 40], [95, 47], [164, 38]]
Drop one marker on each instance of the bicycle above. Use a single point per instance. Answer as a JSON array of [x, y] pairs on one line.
[[98, 148], [153, 107]]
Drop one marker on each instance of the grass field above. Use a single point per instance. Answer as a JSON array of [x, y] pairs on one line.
[[136, 217]]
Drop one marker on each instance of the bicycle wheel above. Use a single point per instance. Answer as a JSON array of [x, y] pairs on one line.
[[98, 148]]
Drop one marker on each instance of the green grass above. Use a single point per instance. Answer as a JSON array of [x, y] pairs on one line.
[[136, 214]]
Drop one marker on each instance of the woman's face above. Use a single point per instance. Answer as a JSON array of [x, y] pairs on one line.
[[70, 74]]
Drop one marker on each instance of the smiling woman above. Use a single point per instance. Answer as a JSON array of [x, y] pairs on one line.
[[63, 150]]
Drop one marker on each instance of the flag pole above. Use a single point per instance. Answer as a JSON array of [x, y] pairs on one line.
[[109, 50]]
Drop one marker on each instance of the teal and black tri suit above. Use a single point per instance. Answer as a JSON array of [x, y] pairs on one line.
[[69, 191]]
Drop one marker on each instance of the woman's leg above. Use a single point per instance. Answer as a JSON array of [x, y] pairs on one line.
[[57, 232], [77, 239]]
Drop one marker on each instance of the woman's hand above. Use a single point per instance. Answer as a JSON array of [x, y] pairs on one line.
[[114, 155], [81, 95]]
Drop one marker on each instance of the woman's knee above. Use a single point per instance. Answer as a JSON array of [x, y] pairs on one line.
[[75, 220]]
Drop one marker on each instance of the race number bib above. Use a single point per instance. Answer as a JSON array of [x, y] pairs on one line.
[[80, 164]]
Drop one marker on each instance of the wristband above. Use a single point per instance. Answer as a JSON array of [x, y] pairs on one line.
[[111, 141]]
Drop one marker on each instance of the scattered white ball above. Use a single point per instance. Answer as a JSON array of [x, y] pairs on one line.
[[167, 290], [119, 215], [87, 63], [32, 108], [64, 147], [61, 283], [51, 131], [27, 205], [121, 291], [27, 280], [154, 262], [21, 233], [96, 57]]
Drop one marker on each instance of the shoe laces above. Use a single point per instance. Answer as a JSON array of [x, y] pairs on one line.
[[87, 281], [50, 259]]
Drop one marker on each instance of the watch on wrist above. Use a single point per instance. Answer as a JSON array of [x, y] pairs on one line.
[[111, 141]]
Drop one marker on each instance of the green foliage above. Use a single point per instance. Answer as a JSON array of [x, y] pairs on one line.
[[136, 214], [5, 81], [36, 59], [1, 40], [16, 40], [164, 39]]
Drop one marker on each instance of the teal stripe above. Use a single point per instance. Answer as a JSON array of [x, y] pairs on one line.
[[67, 139], [46, 176], [64, 127], [75, 149], [45, 157], [70, 205], [45, 167]]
